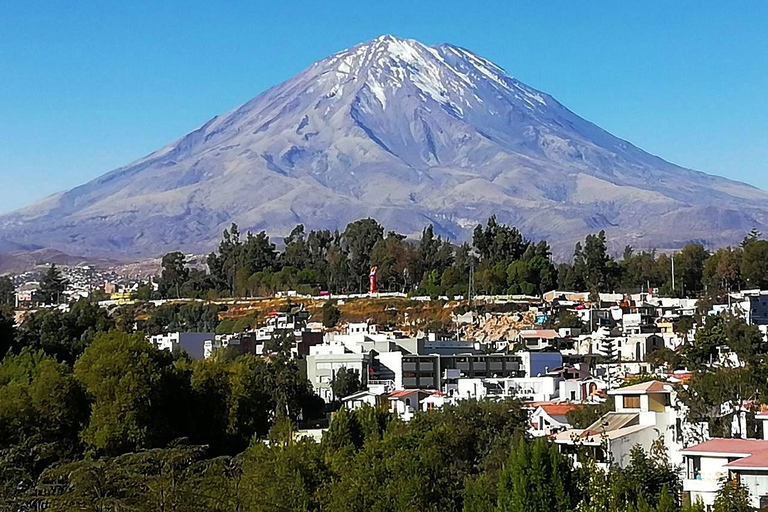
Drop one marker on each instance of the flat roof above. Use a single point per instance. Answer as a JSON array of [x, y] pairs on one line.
[[592, 437], [653, 386]]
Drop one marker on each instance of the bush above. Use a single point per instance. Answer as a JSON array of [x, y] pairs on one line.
[[331, 315]]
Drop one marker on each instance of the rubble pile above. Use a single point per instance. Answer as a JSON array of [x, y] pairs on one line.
[[499, 326]]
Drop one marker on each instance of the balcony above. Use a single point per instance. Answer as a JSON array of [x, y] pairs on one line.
[[701, 485]]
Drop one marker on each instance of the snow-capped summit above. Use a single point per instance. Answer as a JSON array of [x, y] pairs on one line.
[[409, 134]]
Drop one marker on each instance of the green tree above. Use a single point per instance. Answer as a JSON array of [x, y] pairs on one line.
[[592, 264], [715, 396], [568, 320], [331, 315], [283, 478], [432, 253], [144, 293], [7, 329], [537, 478], [297, 251], [689, 268], [498, 243], [281, 342], [40, 401], [703, 348], [732, 497], [7, 291], [754, 263], [121, 375], [52, 286], [359, 239], [667, 502], [174, 275], [649, 477], [345, 383], [395, 258], [722, 271], [63, 335]]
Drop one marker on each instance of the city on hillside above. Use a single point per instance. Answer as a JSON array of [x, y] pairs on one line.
[[264, 256]]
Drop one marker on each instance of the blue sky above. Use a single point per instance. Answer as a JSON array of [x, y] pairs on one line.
[[88, 86]]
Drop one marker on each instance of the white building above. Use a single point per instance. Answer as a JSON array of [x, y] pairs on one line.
[[642, 413], [538, 339], [324, 361], [708, 463], [528, 389], [373, 398], [637, 347], [549, 418], [193, 343], [406, 402]]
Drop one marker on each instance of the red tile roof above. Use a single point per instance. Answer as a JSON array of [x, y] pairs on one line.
[[753, 452], [559, 409], [403, 392]]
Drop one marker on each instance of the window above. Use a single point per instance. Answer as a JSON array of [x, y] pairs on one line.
[[694, 468], [631, 401], [407, 402], [573, 395]]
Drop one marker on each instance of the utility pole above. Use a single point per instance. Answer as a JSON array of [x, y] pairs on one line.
[[673, 272], [471, 287]]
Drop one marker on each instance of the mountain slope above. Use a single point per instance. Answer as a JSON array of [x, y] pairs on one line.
[[408, 134]]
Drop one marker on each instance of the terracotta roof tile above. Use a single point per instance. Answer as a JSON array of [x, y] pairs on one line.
[[754, 452]]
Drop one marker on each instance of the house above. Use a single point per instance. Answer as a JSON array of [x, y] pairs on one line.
[[193, 343], [755, 306], [637, 347], [526, 389], [440, 371], [406, 402], [642, 414], [536, 364], [538, 339], [27, 295], [548, 418], [706, 464], [637, 323], [576, 385], [325, 360], [374, 398], [596, 318]]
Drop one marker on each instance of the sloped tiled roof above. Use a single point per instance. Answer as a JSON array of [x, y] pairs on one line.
[[753, 453], [559, 409], [403, 392]]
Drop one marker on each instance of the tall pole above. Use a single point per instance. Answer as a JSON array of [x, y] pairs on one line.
[[471, 287], [673, 272]]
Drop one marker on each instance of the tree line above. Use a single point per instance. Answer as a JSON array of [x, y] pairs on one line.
[[470, 457], [502, 260]]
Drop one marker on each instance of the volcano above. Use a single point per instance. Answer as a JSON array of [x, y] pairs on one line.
[[408, 134]]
